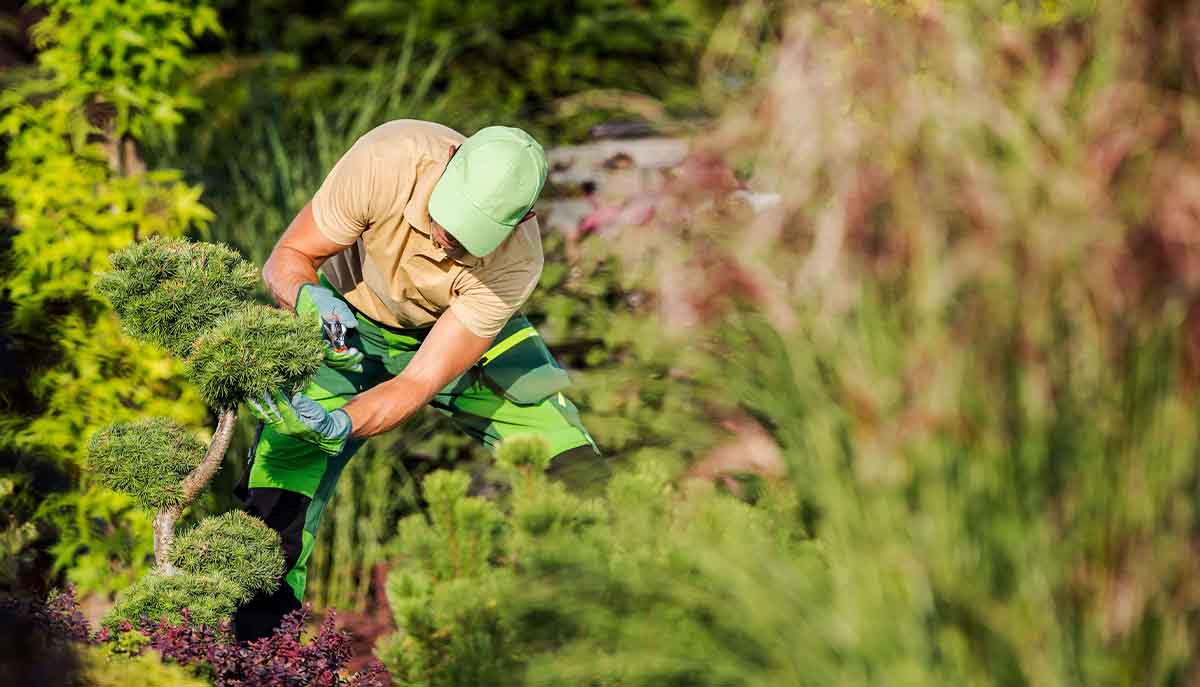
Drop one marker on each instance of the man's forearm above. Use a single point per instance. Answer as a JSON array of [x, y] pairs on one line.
[[447, 351], [285, 272], [386, 406]]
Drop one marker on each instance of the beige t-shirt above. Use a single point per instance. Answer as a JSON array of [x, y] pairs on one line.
[[375, 201]]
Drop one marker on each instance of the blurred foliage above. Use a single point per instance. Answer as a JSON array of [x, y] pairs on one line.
[[100, 668], [73, 191], [15, 539], [966, 323], [502, 61]]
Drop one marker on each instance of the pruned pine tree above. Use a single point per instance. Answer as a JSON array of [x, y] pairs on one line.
[[194, 299]]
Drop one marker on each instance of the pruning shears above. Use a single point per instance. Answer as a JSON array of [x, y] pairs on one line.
[[335, 332]]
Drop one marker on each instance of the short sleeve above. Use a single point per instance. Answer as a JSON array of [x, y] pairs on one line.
[[485, 303], [342, 206]]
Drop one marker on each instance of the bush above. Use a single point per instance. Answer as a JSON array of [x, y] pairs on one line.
[[444, 595], [234, 546], [253, 350], [170, 291], [284, 658], [146, 459], [194, 299], [655, 588]]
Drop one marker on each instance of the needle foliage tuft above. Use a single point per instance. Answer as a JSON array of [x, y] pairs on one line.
[[209, 599], [169, 291], [253, 350], [236, 547], [146, 459]]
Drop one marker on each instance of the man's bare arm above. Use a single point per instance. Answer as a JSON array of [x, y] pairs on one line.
[[447, 352], [296, 257]]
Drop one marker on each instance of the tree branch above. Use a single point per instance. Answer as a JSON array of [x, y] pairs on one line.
[[193, 484], [203, 474]]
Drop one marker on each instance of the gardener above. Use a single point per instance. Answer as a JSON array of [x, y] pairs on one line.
[[427, 245]]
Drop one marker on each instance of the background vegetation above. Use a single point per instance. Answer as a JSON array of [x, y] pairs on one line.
[[941, 365]]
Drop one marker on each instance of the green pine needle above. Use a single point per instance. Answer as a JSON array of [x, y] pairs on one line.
[[253, 350], [146, 459], [169, 291], [236, 547], [210, 600]]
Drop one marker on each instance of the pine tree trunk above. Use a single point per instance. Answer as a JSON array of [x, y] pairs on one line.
[[193, 484], [164, 534]]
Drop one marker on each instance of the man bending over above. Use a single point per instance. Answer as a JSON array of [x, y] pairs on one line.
[[427, 246]]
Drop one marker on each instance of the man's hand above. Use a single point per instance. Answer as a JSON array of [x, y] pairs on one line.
[[320, 304], [303, 418]]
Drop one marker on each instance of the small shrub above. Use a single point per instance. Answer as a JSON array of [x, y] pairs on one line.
[[455, 575], [194, 299], [651, 587], [234, 546], [146, 459], [443, 592], [253, 350], [281, 659], [209, 600], [169, 291]]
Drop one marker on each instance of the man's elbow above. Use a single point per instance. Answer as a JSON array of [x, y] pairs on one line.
[[282, 261], [270, 270]]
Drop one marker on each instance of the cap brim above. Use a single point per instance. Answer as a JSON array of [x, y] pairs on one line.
[[449, 207]]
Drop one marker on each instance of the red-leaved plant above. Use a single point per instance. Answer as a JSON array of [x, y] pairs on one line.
[[282, 660]]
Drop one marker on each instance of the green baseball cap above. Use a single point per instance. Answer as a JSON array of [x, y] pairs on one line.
[[488, 187]]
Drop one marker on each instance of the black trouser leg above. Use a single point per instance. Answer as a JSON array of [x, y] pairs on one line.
[[283, 511]]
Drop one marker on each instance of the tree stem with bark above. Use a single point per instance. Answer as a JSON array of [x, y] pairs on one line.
[[193, 484]]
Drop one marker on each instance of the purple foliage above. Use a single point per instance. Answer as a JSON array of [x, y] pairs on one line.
[[59, 615], [281, 660]]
